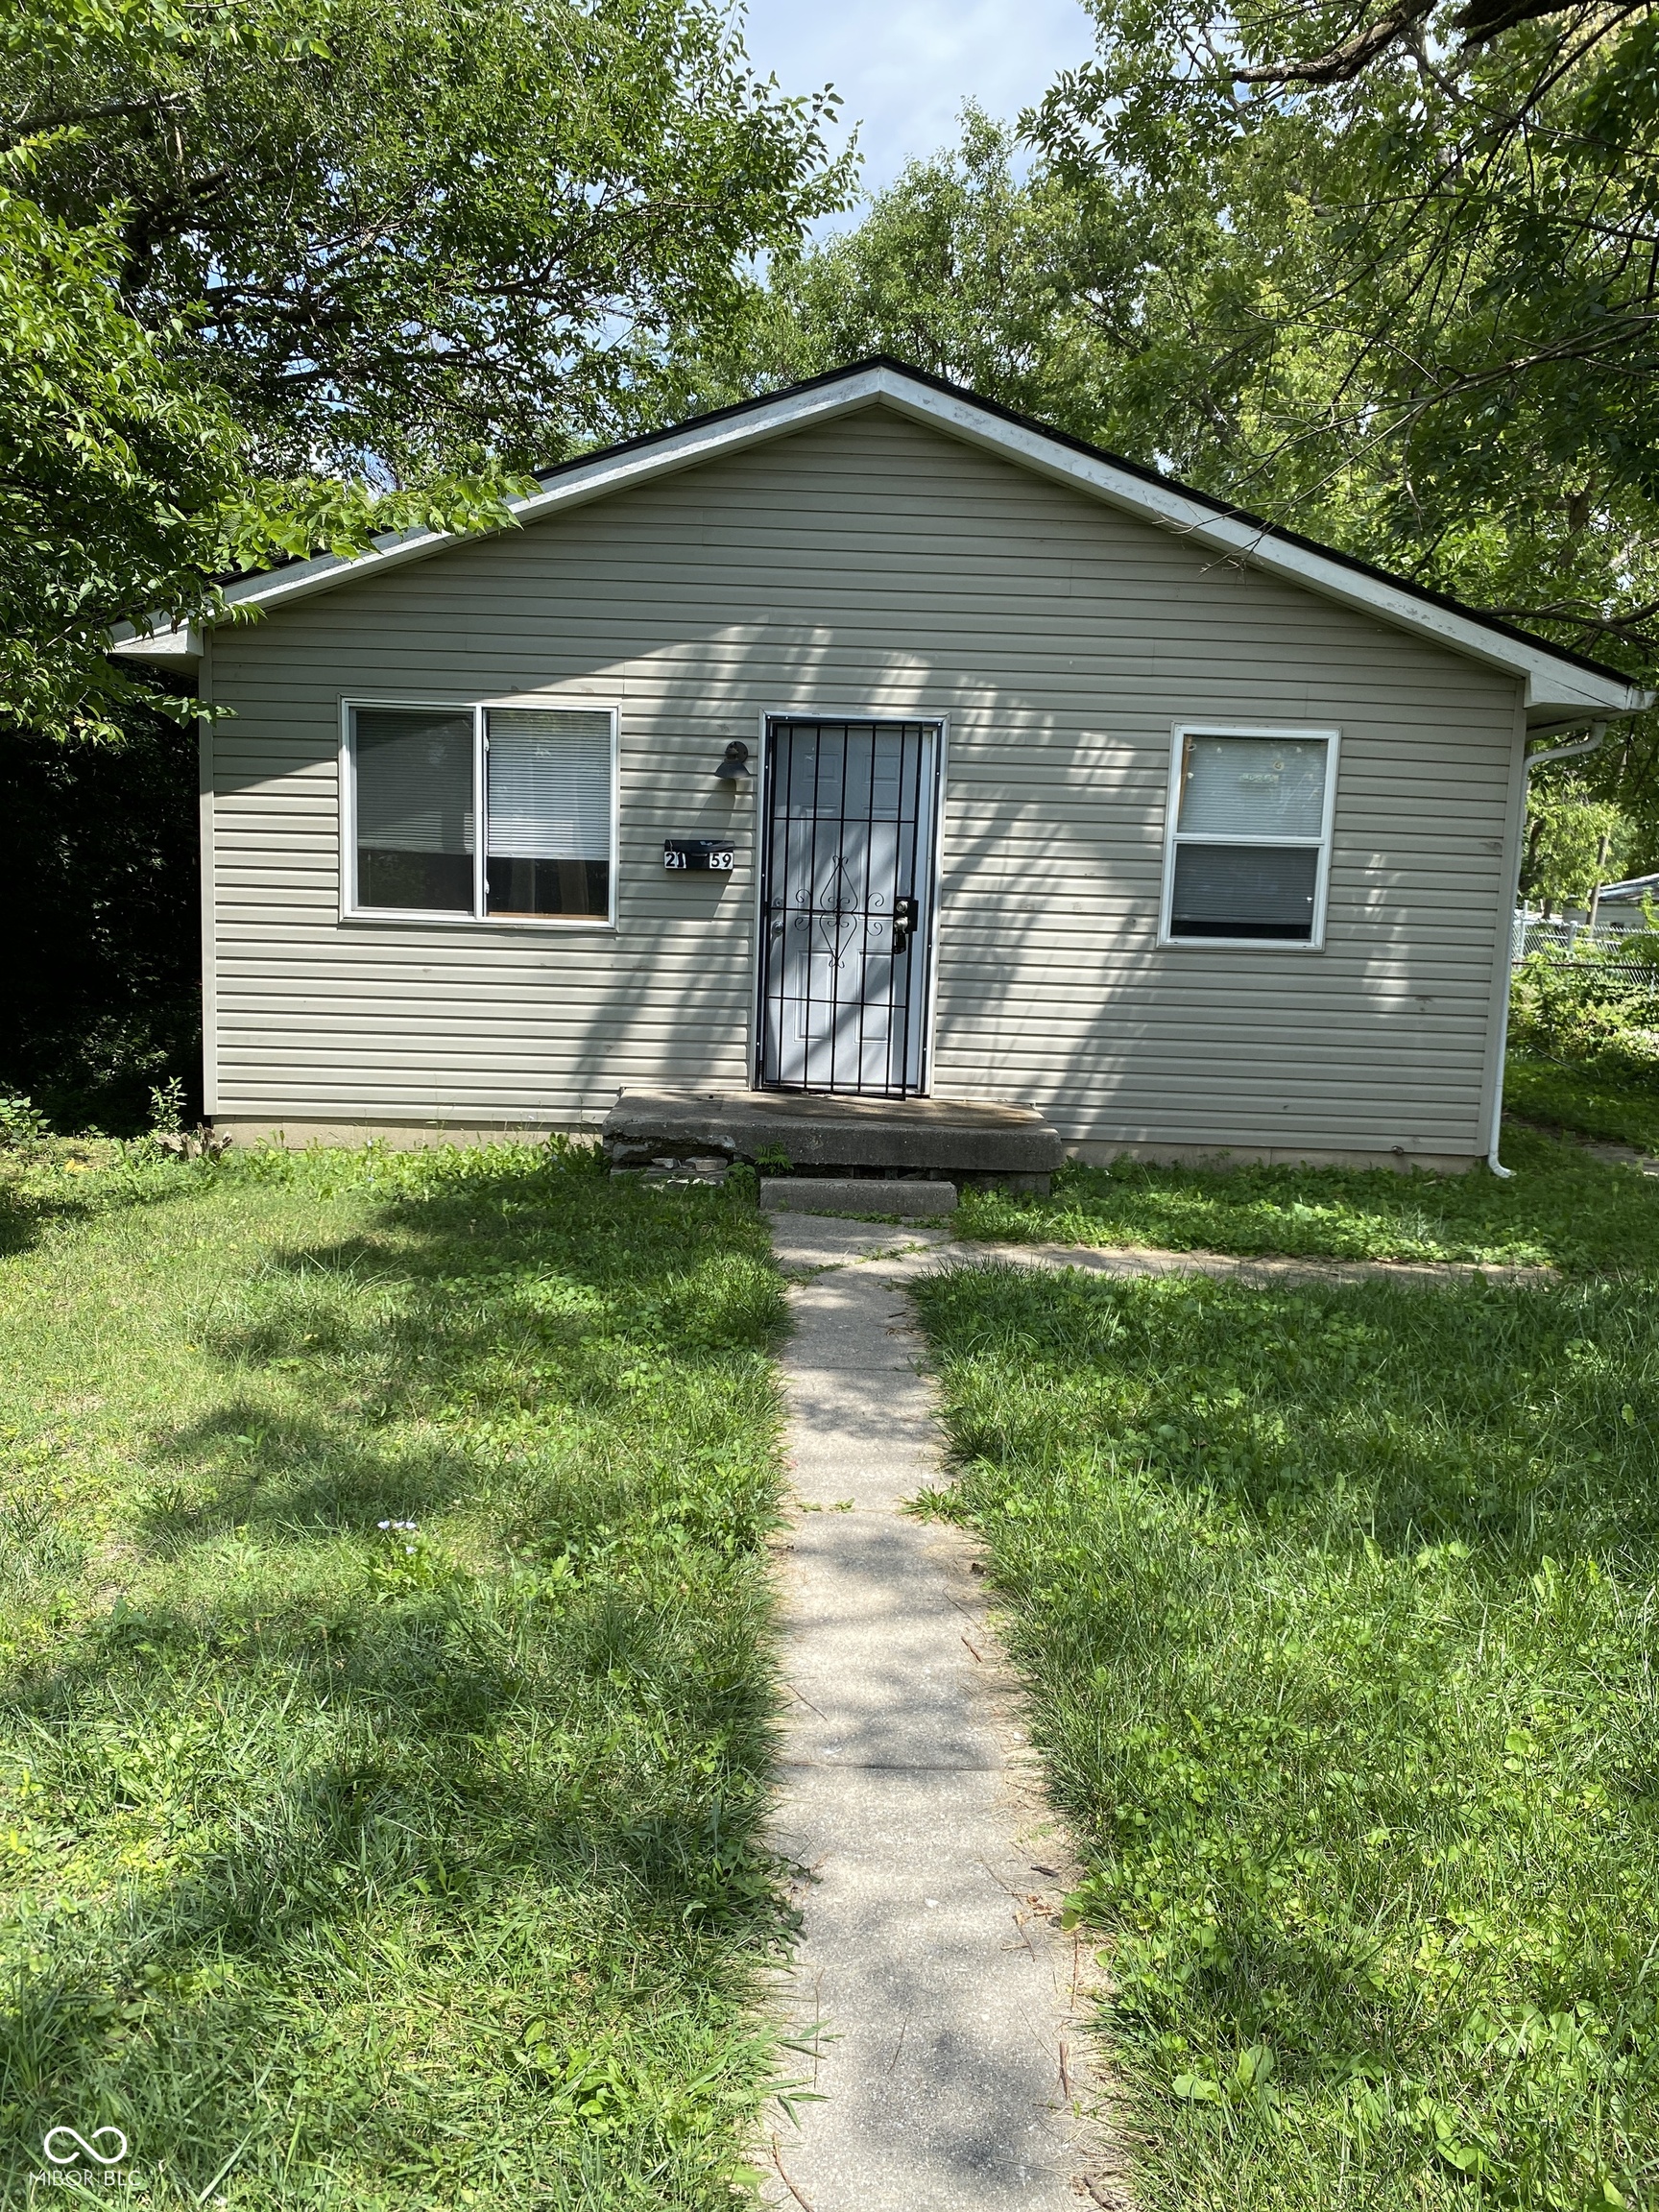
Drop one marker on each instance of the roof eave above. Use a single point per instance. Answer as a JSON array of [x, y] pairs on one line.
[[1558, 689], [573, 487], [179, 647]]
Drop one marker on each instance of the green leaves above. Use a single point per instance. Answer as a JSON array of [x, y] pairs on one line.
[[283, 275], [1404, 299], [110, 465], [1573, 842], [396, 234], [1250, 2079], [1197, 2089], [963, 269], [1406, 306], [1583, 1032]]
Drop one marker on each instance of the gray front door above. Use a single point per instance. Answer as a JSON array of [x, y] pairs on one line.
[[847, 882]]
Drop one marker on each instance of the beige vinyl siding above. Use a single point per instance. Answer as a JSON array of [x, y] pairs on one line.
[[876, 564]]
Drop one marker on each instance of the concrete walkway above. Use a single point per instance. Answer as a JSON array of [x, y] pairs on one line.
[[1127, 1260], [938, 1999], [940, 2006], [1622, 1156]]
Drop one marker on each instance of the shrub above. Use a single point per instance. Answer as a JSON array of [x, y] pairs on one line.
[[21, 1124], [1593, 1008]]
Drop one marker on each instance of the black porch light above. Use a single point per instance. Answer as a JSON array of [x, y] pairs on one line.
[[735, 765]]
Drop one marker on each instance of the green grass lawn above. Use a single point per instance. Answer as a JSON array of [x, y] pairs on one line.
[[1564, 1208], [1338, 1614], [384, 1622], [1611, 1102]]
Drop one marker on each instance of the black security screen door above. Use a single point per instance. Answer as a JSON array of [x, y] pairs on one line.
[[846, 896]]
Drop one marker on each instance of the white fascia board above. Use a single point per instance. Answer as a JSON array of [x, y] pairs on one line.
[[1555, 687], [173, 648], [1555, 691], [575, 488]]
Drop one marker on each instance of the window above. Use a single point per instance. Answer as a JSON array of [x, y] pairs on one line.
[[546, 779], [415, 809], [1249, 836]]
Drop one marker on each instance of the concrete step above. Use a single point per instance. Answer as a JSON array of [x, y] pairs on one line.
[[968, 1140], [914, 1198]]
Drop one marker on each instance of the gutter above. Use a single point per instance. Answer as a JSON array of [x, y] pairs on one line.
[[1590, 744]]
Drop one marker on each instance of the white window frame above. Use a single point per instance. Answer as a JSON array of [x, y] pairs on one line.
[[1174, 836], [425, 918]]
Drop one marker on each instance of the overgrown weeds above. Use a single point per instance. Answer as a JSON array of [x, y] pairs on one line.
[[1596, 1007], [1338, 1610], [1584, 1031], [1564, 1208], [386, 1705]]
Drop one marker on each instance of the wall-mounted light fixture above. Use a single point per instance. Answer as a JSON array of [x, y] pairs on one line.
[[735, 765]]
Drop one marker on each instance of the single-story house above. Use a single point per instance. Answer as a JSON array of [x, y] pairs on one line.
[[868, 738]]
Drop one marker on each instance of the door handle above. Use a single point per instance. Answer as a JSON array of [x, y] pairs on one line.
[[907, 916]]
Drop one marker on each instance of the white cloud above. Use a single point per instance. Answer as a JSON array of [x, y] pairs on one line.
[[903, 67]]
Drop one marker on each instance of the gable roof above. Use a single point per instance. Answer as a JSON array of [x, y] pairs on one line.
[[1560, 686]]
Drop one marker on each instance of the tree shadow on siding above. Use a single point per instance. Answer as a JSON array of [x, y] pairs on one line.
[[1052, 986], [875, 568]]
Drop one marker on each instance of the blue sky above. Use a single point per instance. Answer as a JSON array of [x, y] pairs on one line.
[[905, 67]]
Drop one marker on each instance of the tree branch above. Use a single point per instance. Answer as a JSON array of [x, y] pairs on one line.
[[26, 126], [1480, 21], [1627, 626], [1342, 63]]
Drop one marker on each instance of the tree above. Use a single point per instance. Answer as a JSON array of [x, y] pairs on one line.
[[1389, 275], [1420, 247], [400, 233], [113, 469], [1574, 841], [282, 275], [960, 268], [1403, 289], [101, 918], [278, 275]]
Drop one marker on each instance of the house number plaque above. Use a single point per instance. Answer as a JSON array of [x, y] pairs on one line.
[[697, 852]]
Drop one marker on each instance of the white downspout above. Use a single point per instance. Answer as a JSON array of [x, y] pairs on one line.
[[1598, 732]]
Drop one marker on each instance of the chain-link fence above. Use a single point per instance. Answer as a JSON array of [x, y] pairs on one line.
[[1608, 941]]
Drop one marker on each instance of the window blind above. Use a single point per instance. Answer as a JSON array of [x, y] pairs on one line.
[[549, 812], [414, 780], [1245, 891], [1253, 788], [549, 784], [415, 811]]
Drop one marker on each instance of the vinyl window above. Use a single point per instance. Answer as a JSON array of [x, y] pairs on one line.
[[480, 813], [1248, 847]]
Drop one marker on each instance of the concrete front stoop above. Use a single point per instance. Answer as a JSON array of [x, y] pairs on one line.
[[971, 1139], [941, 2002]]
